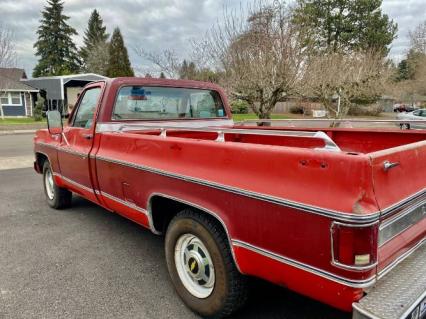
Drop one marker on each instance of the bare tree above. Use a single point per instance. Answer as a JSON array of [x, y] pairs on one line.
[[167, 61], [260, 56], [7, 58], [339, 80], [418, 38]]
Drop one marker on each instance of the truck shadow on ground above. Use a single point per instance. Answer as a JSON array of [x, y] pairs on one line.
[[266, 301]]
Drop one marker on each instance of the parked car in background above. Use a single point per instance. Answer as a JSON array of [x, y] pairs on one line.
[[403, 108], [419, 115]]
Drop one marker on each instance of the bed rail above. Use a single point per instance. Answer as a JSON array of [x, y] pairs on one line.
[[329, 144]]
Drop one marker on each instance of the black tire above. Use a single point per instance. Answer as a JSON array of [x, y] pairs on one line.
[[230, 287], [61, 197]]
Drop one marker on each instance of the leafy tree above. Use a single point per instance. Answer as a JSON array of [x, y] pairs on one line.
[[344, 25], [55, 48], [119, 63], [95, 36]]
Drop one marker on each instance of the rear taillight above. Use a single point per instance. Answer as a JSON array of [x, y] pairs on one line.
[[354, 246]]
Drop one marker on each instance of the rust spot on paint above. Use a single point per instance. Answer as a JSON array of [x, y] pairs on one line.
[[357, 208]]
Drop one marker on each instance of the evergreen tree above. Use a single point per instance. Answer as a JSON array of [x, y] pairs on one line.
[[162, 75], [344, 25], [95, 36], [119, 63], [55, 48]]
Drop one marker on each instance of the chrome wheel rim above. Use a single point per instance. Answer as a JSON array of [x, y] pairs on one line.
[[194, 266], [48, 182]]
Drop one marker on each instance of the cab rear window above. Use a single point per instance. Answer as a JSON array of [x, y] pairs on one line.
[[152, 103]]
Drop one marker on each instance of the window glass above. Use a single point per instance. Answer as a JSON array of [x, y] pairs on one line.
[[137, 102], [15, 98], [4, 98], [417, 113], [86, 109]]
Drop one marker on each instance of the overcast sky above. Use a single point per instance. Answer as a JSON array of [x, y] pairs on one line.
[[159, 24]]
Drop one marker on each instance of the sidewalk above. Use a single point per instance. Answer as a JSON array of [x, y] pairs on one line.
[[16, 132], [13, 129]]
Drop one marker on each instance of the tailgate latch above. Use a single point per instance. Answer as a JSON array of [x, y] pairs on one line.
[[388, 165]]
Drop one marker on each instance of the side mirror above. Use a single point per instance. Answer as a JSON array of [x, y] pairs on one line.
[[54, 122]]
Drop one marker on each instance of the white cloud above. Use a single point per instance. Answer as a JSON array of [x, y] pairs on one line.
[[408, 14], [160, 24]]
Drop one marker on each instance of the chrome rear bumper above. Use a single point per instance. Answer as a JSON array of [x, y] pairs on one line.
[[400, 294]]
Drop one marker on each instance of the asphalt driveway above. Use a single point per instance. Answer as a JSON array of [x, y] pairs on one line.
[[84, 262]]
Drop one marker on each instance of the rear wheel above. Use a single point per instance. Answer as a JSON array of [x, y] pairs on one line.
[[405, 126], [201, 266], [56, 197]]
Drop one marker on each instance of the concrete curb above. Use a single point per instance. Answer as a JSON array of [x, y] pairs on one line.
[[16, 132]]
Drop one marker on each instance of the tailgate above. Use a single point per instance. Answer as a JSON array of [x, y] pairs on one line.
[[399, 179]]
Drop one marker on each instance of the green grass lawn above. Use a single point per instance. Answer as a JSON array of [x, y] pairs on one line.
[[251, 116], [17, 121]]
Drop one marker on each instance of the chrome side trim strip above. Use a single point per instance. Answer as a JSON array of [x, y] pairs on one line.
[[63, 149], [386, 211], [272, 199], [405, 219], [328, 213], [125, 203], [392, 265], [87, 189], [46, 145], [316, 271], [97, 192], [201, 208]]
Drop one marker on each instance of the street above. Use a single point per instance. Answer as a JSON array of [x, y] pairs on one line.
[[85, 262]]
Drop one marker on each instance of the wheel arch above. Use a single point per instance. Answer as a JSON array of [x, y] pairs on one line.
[[158, 221], [40, 158]]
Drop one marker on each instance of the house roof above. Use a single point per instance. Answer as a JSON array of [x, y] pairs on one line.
[[8, 84], [13, 73]]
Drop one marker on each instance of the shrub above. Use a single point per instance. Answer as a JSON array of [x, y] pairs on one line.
[[38, 108], [297, 109], [239, 107], [371, 110]]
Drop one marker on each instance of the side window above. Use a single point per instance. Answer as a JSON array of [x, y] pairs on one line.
[[417, 113], [86, 109]]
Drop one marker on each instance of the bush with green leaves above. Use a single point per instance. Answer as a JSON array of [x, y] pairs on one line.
[[239, 107], [38, 108]]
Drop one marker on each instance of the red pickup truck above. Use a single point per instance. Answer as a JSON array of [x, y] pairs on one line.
[[337, 215]]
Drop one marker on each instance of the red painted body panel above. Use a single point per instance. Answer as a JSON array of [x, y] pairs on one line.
[[334, 294], [277, 197]]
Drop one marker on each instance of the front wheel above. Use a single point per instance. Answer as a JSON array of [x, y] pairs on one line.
[[56, 196], [201, 266]]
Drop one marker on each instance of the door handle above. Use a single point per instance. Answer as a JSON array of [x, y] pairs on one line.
[[88, 136]]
